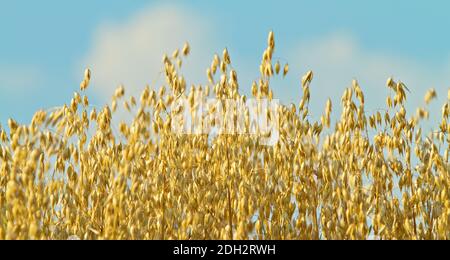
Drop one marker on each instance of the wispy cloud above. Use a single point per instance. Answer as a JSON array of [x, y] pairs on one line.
[[339, 58], [130, 53]]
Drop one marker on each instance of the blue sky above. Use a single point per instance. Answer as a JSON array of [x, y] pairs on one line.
[[45, 46]]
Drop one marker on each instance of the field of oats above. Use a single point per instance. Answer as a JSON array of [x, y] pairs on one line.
[[76, 171]]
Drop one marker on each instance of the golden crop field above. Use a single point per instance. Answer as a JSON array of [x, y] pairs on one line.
[[77, 171]]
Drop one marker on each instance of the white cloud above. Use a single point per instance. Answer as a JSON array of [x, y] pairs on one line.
[[131, 53], [337, 59]]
